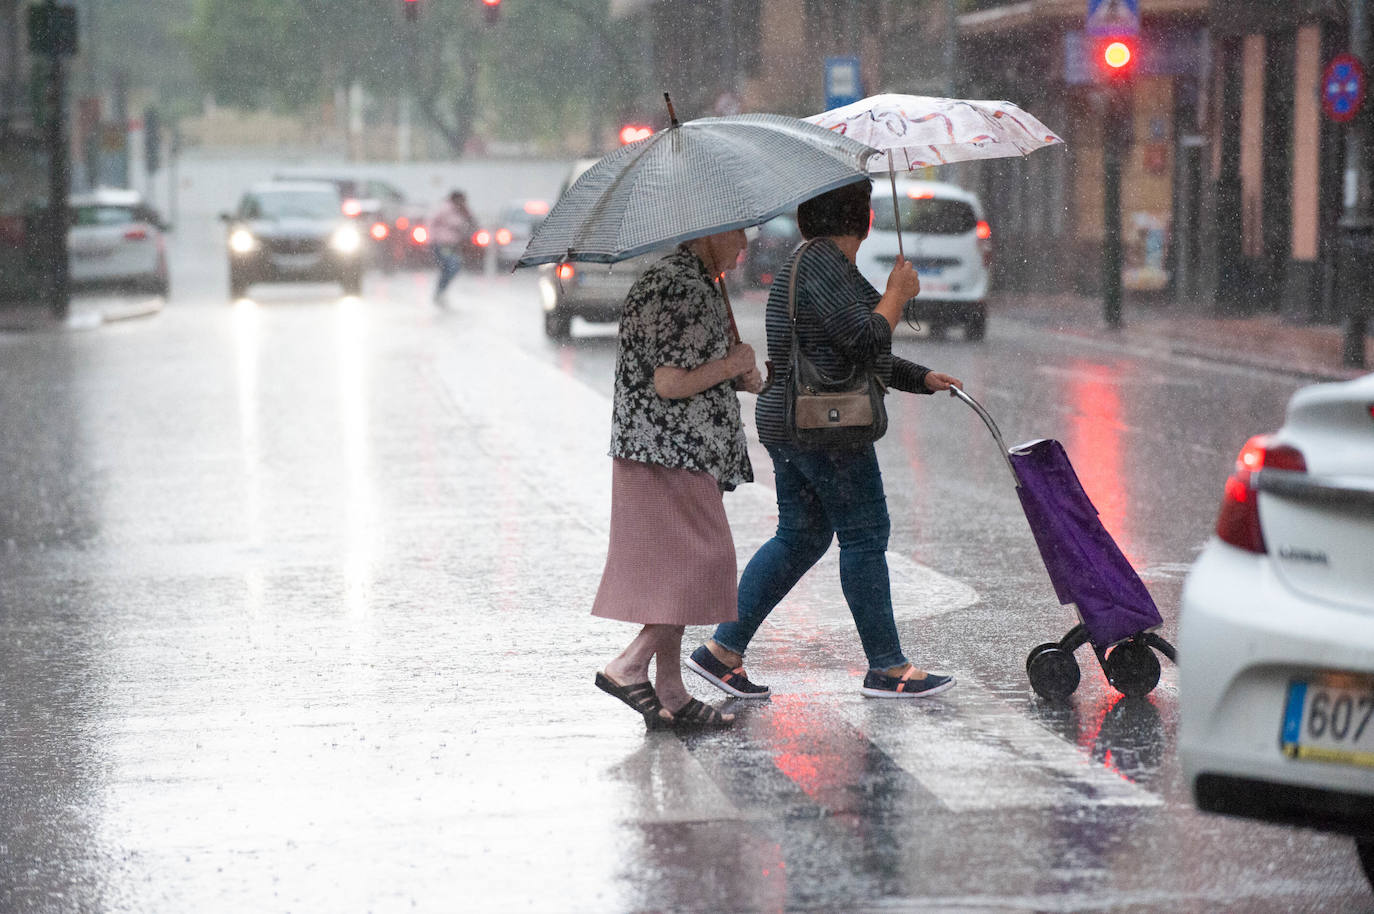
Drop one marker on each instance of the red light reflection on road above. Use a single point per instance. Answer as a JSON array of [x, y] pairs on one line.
[[1094, 445]]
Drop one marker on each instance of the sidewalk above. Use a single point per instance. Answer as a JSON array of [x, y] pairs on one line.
[[1264, 341], [84, 312]]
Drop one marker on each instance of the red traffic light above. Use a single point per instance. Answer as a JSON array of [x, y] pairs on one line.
[[633, 133], [1115, 56]]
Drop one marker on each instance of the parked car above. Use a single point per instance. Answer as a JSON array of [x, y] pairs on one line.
[[512, 229], [947, 239], [593, 292], [116, 240], [293, 232], [1276, 637], [769, 248]]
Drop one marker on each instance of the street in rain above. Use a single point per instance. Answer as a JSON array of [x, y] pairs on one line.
[[308, 385]]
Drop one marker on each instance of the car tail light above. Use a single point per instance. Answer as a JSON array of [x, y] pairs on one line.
[[566, 271], [481, 238], [136, 234], [921, 194], [419, 234], [1238, 522], [503, 237], [379, 231], [983, 231], [402, 223], [537, 207], [352, 208]]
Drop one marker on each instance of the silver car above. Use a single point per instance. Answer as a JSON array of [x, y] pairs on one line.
[[591, 291], [116, 240]]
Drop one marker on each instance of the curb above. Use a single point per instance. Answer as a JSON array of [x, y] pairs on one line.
[[82, 315]]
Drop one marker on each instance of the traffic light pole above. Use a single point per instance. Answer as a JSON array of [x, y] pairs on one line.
[[1114, 129], [1357, 228]]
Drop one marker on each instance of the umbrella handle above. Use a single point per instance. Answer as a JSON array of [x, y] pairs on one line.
[[896, 218]]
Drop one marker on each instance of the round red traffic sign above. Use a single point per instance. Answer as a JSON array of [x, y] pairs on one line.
[[1343, 88]]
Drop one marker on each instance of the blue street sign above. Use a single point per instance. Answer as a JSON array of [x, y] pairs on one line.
[[1113, 17], [1343, 88], [844, 84]]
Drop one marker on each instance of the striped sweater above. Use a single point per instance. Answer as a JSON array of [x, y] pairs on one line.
[[837, 328]]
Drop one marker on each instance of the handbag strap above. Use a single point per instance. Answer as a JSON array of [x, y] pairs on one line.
[[792, 291]]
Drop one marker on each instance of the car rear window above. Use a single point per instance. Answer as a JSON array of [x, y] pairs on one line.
[[924, 216], [103, 215]]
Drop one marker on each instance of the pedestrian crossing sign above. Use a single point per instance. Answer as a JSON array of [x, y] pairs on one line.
[[1113, 17]]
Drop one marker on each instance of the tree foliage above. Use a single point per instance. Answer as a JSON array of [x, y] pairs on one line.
[[547, 68]]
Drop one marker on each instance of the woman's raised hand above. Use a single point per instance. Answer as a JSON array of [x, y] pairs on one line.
[[904, 280]]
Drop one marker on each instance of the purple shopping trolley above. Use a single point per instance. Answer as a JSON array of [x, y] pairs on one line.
[[1117, 614]]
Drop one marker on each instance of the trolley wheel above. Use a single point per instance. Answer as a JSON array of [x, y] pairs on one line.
[[1037, 651], [1053, 672], [1132, 669]]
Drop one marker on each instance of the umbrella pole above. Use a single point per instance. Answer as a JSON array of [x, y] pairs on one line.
[[729, 312], [896, 217]]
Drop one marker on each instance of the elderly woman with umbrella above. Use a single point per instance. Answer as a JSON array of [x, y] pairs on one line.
[[677, 442]]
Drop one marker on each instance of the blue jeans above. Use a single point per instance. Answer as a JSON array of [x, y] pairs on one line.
[[822, 495], [449, 265]]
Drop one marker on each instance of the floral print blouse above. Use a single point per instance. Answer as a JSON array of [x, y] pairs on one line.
[[674, 315]]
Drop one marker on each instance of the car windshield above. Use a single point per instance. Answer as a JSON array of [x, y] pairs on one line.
[[103, 215], [287, 204], [925, 216]]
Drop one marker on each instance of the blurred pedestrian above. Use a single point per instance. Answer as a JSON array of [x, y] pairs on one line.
[[842, 323], [677, 443], [450, 225]]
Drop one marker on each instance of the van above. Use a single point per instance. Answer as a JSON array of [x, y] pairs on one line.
[[946, 237]]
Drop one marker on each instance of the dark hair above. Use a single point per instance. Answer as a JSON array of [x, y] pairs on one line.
[[842, 211]]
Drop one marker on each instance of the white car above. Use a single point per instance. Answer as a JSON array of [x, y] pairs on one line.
[[946, 237], [1276, 638], [116, 239]]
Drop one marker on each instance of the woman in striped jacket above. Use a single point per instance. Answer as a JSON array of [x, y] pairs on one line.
[[842, 321]]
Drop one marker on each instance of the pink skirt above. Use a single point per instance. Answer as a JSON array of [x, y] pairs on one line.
[[671, 559]]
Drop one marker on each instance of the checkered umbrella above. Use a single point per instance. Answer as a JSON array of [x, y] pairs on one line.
[[714, 174]]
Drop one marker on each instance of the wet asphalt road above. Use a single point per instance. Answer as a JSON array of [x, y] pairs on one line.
[[293, 617]]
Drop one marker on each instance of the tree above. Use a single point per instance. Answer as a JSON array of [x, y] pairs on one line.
[[548, 69]]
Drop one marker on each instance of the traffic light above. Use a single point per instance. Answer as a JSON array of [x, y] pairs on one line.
[[412, 9], [491, 11], [1115, 56]]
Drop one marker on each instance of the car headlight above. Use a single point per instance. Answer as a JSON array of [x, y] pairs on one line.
[[346, 240], [241, 241]]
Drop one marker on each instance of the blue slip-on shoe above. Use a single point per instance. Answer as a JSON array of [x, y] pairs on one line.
[[730, 681], [881, 685]]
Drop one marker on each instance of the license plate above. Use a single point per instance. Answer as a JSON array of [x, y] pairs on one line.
[[296, 262], [1330, 719], [923, 272]]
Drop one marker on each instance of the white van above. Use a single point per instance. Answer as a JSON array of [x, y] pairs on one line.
[[947, 239]]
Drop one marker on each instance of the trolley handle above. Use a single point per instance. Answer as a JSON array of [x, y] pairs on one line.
[[992, 427]]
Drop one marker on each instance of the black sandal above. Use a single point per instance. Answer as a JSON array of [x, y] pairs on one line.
[[698, 716], [640, 696]]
